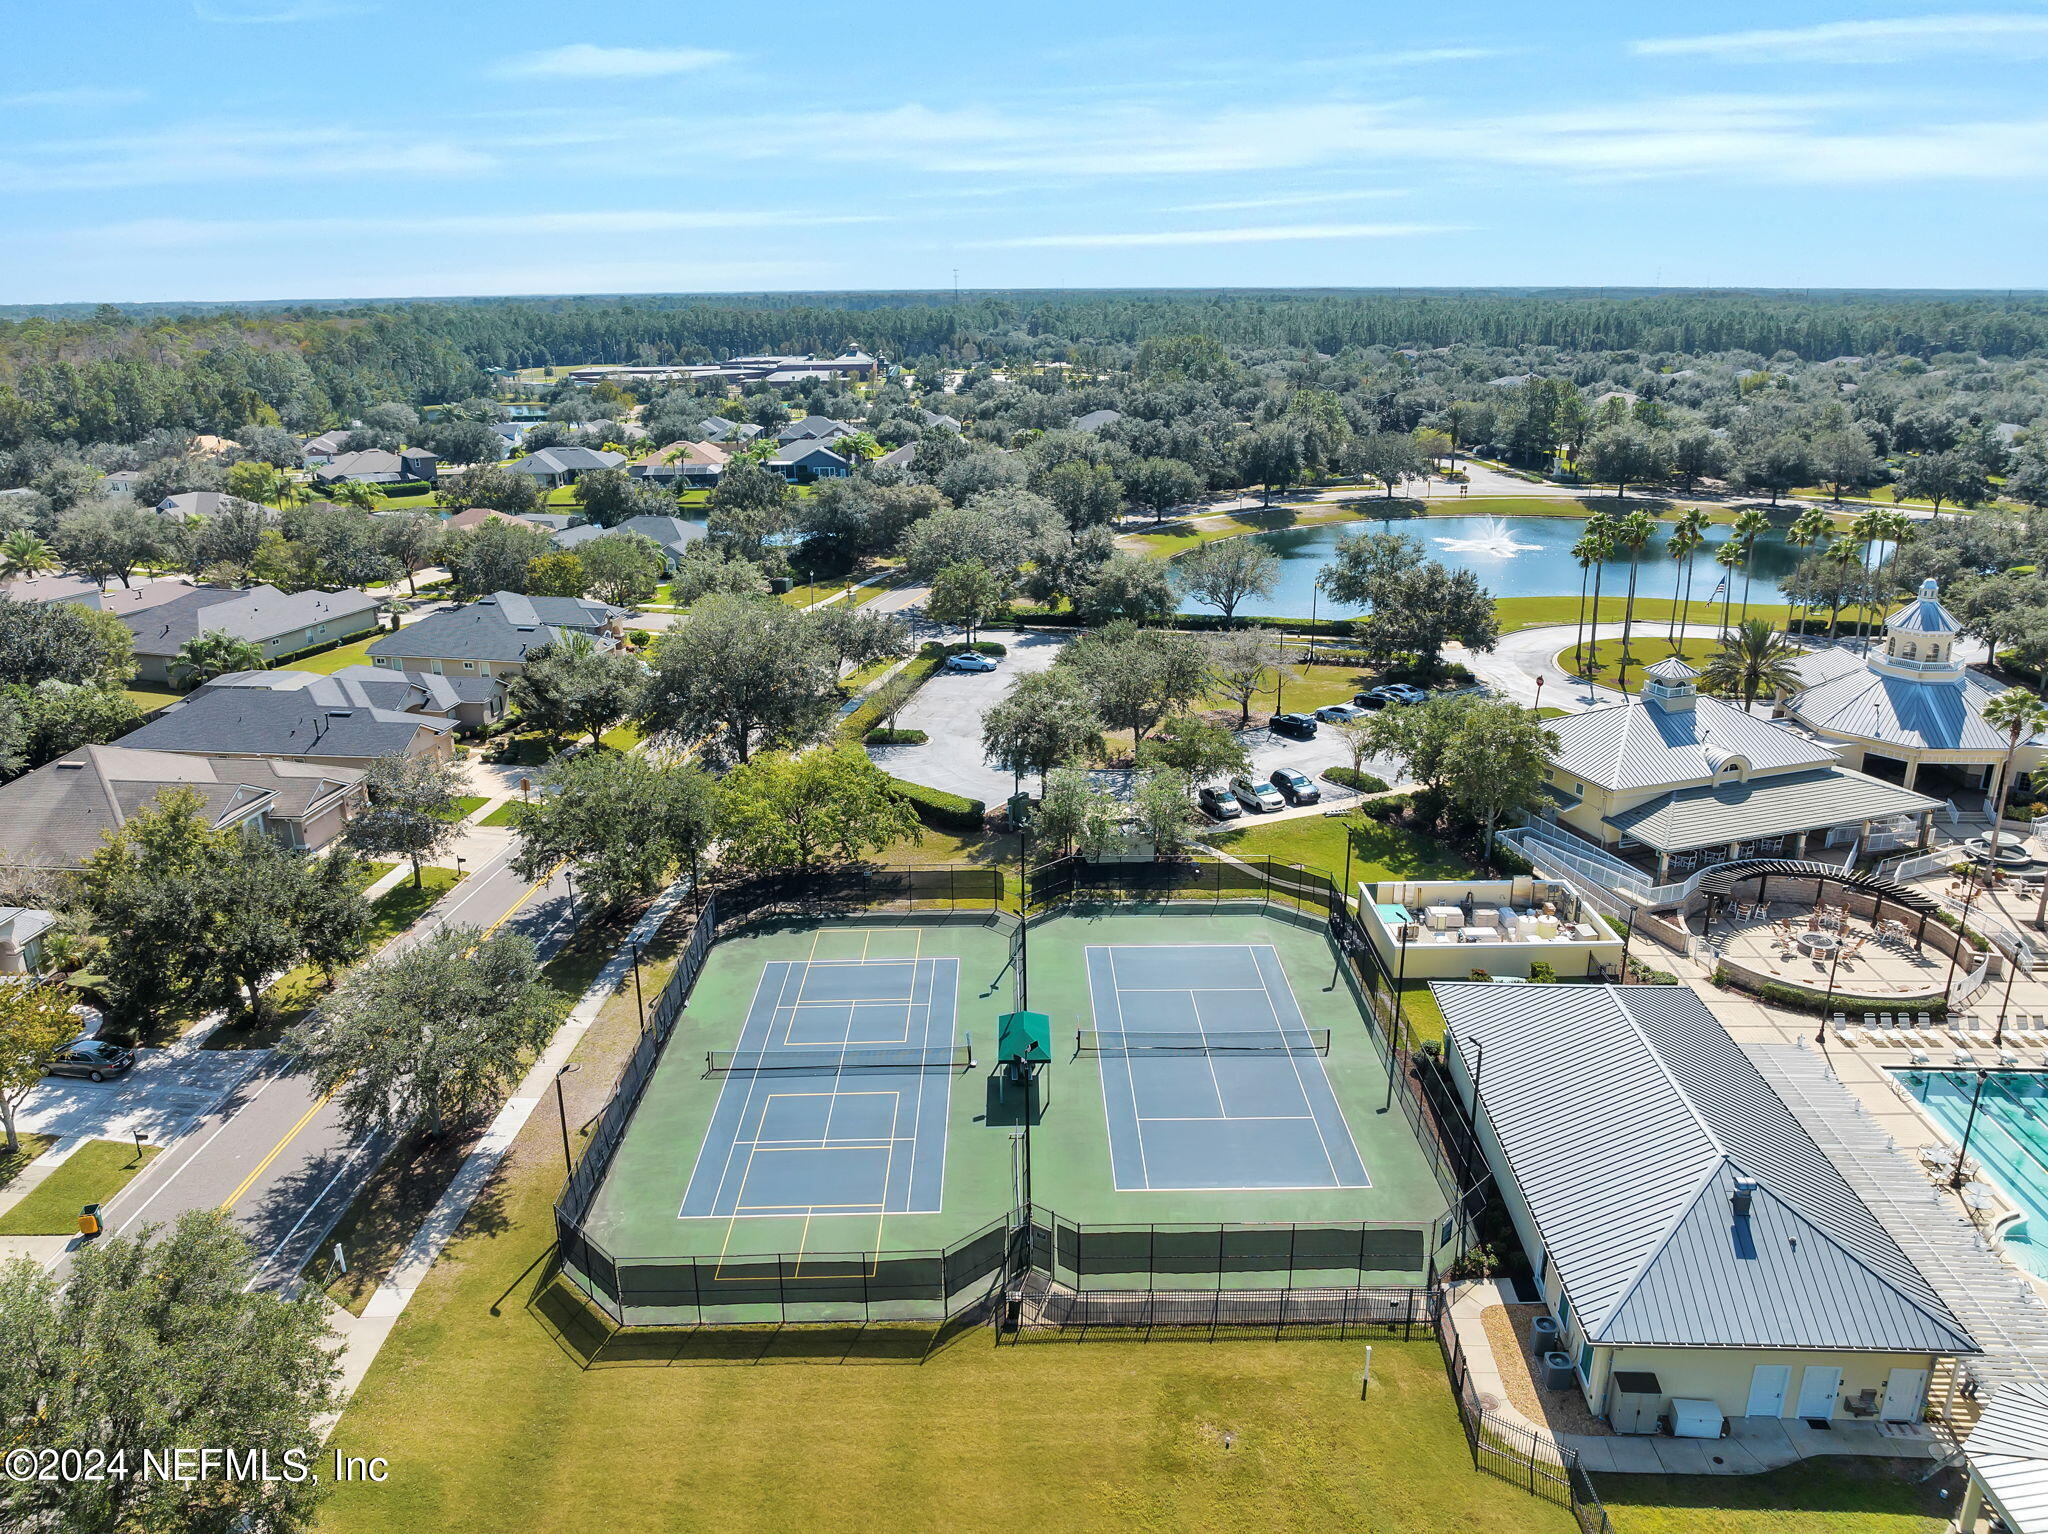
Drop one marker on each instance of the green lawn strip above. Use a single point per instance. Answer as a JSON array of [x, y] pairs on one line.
[[1542, 612], [623, 737], [506, 814], [289, 997], [482, 1373], [1646, 648], [468, 805], [327, 662], [148, 698], [387, 1210], [1840, 1494], [12, 1162], [92, 1174], [1378, 851]]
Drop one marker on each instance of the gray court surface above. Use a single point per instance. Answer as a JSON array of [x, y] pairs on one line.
[[1193, 1118], [805, 1134]]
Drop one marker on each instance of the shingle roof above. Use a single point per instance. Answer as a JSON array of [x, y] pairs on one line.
[[559, 460], [2008, 1453], [1639, 745], [238, 721], [672, 533], [201, 503], [1795, 801], [370, 463], [804, 451], [262, 613], [504, 626], [59, 814], [422, 692], [1095, 420], [1624, 1116]]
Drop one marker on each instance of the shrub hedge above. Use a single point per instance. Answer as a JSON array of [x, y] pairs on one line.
[[892, 694], [882, 737], [940, 810], [1804, 1001], [1364, 782]]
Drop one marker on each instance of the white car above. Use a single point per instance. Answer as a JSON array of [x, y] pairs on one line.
[[967, 660], [1256, 795]]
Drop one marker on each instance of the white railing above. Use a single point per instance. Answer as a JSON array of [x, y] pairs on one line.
[[1971, 985], [1916, 866]]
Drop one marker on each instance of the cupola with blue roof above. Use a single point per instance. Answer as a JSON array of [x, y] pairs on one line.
[[1919, 639]]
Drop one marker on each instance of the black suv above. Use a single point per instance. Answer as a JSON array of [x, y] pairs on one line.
[[1295, 787], [1300, 726]]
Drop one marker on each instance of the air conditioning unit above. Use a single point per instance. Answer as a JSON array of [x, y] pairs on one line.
[[1543, 1333], [1558, 1373]]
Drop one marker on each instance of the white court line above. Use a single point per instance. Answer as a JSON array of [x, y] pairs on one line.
[[1130, 1080], [1336, 1179]]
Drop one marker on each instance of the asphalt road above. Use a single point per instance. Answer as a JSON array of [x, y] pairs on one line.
[[278, 1155]]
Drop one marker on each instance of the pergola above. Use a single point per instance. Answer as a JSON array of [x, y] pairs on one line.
[[1718, 883]]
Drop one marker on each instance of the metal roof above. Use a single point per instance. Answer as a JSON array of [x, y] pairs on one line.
[[1924, 614], [1870, 705], [1672, 668], [1742, 811], [1644, 745], [1625, 1114], [2008, 1454]]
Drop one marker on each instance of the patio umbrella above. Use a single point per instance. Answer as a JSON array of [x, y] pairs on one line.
[[1978, 1196]]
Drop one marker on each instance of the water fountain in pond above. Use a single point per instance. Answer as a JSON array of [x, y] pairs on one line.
[[1494, 539]]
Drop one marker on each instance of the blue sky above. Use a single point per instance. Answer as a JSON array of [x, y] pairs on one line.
[[223, 149]]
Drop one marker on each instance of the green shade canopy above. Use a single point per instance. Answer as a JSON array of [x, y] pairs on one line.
[[1024, 1033]]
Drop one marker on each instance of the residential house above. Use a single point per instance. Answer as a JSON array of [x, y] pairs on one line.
[[1910, 712], [282, 623], [474, 702], [1685, 780], [1689, 1237], [125, 601], [120, 482], [292, 724], [22, 930], [904, 457], [672, 535], [416, 463], [933, 418], [806, 460], [513, 433], [202, 505], [493, 635], [716, 428], [1095, 420], [43, 589], [61, 814], [821, 428], [323, 449], [556, 466], [693, 465], [476, 516], [365, 466]]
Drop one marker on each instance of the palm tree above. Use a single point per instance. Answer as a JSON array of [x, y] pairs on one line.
[[1750, 526], [1599, 537], [1634, 530], [1729, 557], [215, 653], [2022, 716], [24, 556], [1842, 551], [353, 492], [1687, 534], [1752, 657]]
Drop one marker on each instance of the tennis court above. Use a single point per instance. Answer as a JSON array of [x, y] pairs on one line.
[[834, 1099], [1211, 1077]]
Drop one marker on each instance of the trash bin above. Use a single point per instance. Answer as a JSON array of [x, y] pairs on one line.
[[89, 1220]]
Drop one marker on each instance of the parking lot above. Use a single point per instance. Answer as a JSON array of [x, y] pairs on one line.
[[163, 1092]]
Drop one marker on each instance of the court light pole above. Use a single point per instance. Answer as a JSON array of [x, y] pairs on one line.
[[1955, 1180], [1828, 1002], [2012, 975], [1955, 956], [639, 999], [562, 1113]]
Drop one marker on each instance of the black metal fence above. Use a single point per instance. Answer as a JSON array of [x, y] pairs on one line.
[[869, 891], [1267, 880], [1514, 1451]]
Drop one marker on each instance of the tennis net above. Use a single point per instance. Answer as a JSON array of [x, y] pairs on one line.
[[954, 1057], [1216, 1041]]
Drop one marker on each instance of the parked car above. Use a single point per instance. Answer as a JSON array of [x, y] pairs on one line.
[[1300, 726], [1368, 702], [1400, 692], [1295, 787], [1218, 803], [967, 660], [94, 1059], [1340, 713], [1256, 796]]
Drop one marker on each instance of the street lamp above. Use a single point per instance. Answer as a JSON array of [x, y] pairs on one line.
[[562, 1113], [639, 1000], [2012, 974], [1962, 939], [1828, 1004]]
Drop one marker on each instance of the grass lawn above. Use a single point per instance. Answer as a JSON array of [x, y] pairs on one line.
[[1538, 612], [789, 1430], [327, 662], [294, 993], [1378, 851], [92, 1174], [506, 814], [930, 847], [1178, 536], [13, 1161], [148, 697], [468, 805], [1649, 647], [1841, 1495]]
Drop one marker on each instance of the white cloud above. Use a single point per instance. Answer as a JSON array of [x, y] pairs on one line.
[[224, 153], [1290, 200], [168, 232], [588, 61], [1255, 236], [1890, 41], [75, 96], [265, 13]]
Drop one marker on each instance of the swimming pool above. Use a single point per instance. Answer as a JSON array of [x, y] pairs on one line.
[[2010, 1143]]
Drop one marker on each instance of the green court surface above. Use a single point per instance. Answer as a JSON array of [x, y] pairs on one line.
[[1071, 1171], [638, 1211], [819, 1167]]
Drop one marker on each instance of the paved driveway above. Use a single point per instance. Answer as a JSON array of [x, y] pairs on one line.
[[162, 1093], [948, 708]]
